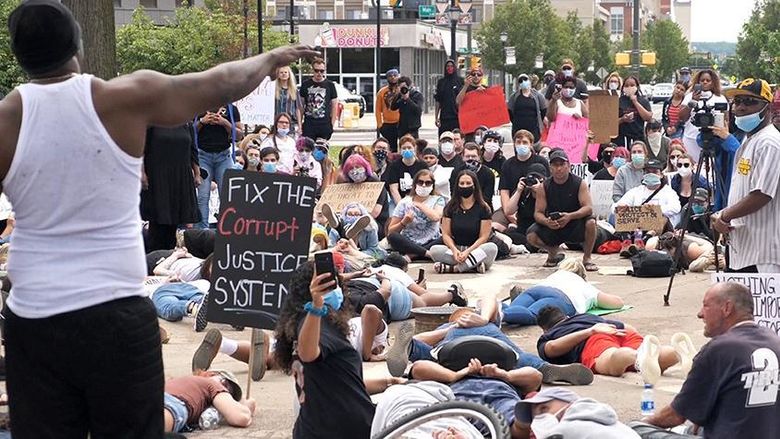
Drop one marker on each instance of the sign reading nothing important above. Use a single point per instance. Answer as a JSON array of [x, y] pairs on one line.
[[263, 234], [765, 289]]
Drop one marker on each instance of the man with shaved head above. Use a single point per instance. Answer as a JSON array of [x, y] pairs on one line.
[[732, 389]]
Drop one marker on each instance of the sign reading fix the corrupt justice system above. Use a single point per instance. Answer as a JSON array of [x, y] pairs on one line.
[[570, 134], [483, 107], [339, 195], [765, 289], [644, 217], [263, 234], [257, 108]]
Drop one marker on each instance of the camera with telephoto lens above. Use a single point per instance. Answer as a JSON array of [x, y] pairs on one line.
[[528, 182], [404, 89]]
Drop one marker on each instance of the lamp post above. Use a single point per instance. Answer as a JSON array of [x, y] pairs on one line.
[[503, 37], [259, 26], [454, 14]]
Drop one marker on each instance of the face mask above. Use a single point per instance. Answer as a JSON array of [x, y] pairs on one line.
[[618, 162], [629, 91], [450, 69], [334, 299], [319, 155], [567, 93], [698, 209], [263, 137], [522, 150], [238, 166], [525, 85], [685, 172], [447, 148], [543, 425], [568, 73], [253, 162], [407, 154], [380, 155], [750, 122], [304, 156], [613, 86], [638, 160], [685, 78], [654, 138], [491, 147], [423, 191], [269, 167], [350, 219], [358, 175], [466, 192], [651, 180], [472, 165], [282, 131]]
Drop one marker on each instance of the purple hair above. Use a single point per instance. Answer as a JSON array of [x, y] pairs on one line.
[[304, 142], [356, 161]]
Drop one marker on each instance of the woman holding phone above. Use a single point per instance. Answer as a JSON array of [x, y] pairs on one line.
[[634, 110]]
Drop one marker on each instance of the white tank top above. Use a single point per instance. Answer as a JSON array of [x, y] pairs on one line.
[[77, 241], [576, 109]]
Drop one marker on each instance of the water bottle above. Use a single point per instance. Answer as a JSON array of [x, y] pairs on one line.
[[648, 403], [209, 419], [637, 235]]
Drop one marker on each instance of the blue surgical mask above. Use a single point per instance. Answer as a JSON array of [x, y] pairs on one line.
[[651, 180], [319, 155], [522, 150], [638, 160], [525, 85], [269, 167], [407, 154], [282, 131], [334, 299], [568, 73], [618, 162], [750, 122], [698, 209]]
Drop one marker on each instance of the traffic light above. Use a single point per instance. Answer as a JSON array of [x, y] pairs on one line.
[[476, 62], [396, 3], [461, 63], [648, 58], [622, 59]]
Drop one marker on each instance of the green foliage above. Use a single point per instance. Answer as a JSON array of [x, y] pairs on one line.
[[758, 47], [665, 38], [11, 74]]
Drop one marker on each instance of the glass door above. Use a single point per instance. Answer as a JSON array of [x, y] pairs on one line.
[[361, 85]]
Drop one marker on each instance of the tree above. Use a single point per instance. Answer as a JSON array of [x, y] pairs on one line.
[[11, 74], [758, 46], [97, 33], [670, 46]]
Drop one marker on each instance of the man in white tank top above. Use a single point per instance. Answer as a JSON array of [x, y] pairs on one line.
[[82, 341]]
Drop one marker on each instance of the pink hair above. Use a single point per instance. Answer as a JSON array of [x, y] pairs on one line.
[[355, 161], [621, 152]]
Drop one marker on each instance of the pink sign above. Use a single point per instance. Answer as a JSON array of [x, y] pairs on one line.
[[358, 36], [569, 133]]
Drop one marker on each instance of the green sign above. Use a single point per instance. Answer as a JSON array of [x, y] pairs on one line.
[[427, 12]]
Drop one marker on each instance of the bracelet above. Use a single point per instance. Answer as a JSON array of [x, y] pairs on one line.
[[311, 309]]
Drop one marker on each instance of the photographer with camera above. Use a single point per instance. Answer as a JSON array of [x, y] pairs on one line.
[[752, 218], [522, 206], [703, 106], [409, 102], [512, 173]]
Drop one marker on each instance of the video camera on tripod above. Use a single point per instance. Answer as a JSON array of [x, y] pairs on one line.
[[706, 117]]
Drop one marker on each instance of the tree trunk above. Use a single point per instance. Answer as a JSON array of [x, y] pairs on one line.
[[96, 18]]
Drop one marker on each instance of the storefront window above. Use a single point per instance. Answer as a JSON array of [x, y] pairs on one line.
[[333, 60], [357, 60]]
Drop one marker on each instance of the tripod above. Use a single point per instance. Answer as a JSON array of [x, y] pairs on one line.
[[706, 162]]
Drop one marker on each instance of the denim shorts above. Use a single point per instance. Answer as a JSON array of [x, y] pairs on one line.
[[179, 411], [400, 301]]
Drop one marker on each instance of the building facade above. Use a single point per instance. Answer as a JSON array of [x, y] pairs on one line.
[[588, 11], [158, 10]]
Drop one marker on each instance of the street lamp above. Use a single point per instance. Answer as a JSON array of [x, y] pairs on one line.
[[454, 15], [503, 36]]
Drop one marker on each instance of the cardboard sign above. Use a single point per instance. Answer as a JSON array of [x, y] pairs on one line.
[[601, 194], [486, 107], [765, 289], [339, 195], [263, 235], [644, 217], [581, 170], [604, 115], [569, 133], [257, 108]]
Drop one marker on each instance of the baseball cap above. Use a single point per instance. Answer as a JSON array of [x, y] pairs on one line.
[[700, 195], [757, 88], [558, 154], [549, 72], [523, 407], [654, 164], [685, 70], [393, 72], [446, 135], [537, 170], [233, 387]]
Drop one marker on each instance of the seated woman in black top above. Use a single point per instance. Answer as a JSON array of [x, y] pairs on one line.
[[620, 156], [466, 230], [492, 156]]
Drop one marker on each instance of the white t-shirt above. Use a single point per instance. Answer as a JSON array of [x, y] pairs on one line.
[[691, 131], [187, 269], [356, 335], [576, 110], [441, 179], [581, 294]]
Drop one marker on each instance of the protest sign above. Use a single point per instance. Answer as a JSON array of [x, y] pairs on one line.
[[339, 195], [257, 108], [644, 217], [580, 170], [484, 107], [601, 194], [570, 134], [263, 235], [765, 289], [604, 116]]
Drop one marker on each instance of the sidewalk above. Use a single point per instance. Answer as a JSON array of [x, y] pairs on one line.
[[367, 123]]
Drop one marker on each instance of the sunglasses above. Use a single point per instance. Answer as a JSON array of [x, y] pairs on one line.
[[675, 156], [684, 165], [478, 75], [747, 101], [319, 70], [425, 183]]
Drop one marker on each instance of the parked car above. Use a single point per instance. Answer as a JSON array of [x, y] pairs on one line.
[[662, 91], [647, 90], [346, 96]]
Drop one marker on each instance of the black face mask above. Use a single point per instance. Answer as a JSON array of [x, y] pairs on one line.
[[466, 192], [380, 155]]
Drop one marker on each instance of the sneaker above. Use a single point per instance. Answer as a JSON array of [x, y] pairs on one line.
[[575, 374], [330, 216], [684, 347], [458, 293], [633, 250], [358, 226], [207, 350], [398, 356], [481, 268], [258, 344], [441, 267], [514, 292], [200, 314], [647, 359], [164, 339], [624, 249], [518, 249]]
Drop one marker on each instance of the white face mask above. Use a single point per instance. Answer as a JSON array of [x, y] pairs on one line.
[[491, 147], [423, 191], [447, 148], [304, 156], [654, 138], [630, 90], [544, 424], [685, 172], [613, 86]]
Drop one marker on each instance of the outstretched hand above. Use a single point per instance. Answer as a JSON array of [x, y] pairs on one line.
[[285, 55]]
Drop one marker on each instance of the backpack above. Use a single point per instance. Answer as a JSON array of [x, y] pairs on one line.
[[651, 264], [456, 354]]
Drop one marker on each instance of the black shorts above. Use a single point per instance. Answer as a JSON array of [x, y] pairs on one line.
[[321, 129], [573, 232], [362, 293]]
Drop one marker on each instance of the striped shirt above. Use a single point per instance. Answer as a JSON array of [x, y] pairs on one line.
[[756, 237]]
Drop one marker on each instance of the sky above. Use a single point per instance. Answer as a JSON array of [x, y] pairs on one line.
[[719, 20]]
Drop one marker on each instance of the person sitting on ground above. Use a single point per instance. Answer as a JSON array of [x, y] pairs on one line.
[[465, 322], [380, 150], [441, 175], [682, 183], [567, 289], [448, 157], [415, 223], [629, 177], [619, 159], [522, 206], [303, 162], [356, 224], [186, 398], [400, 173], [466, 231], [732, 385], [555, 412], [563, 213], [252, 158], [701, 208], [657, 142], [492, 155], [486, 177], [282, 138], [269, 160], [608, 347], [329, 169], [653, 192]]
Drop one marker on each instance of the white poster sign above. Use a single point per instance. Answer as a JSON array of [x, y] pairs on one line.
[[601, 194], [766, 295], [257, 108]]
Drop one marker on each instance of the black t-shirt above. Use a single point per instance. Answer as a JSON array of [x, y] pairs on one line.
[[215, 138], [447, 89], [524, 115], [317, 97], [465, 224], [731, 390], [513, 170], [456, 162], [331, 389], [402, 175], [563, 197], [486, 178], [634, 130], [603, 175], [570, 326], [495, 164]]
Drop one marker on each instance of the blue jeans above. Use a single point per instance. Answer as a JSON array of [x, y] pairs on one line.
[[178, 410], [215, 163], [400, 302], [171, 300], [422, 351], [525, 308]]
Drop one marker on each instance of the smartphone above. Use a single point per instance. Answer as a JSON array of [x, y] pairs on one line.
[[696, 88], [421, 275], [558, 87], [555, 216], [323, 263]]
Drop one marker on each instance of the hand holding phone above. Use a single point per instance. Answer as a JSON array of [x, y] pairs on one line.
[[323, 264], [555, 216]]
